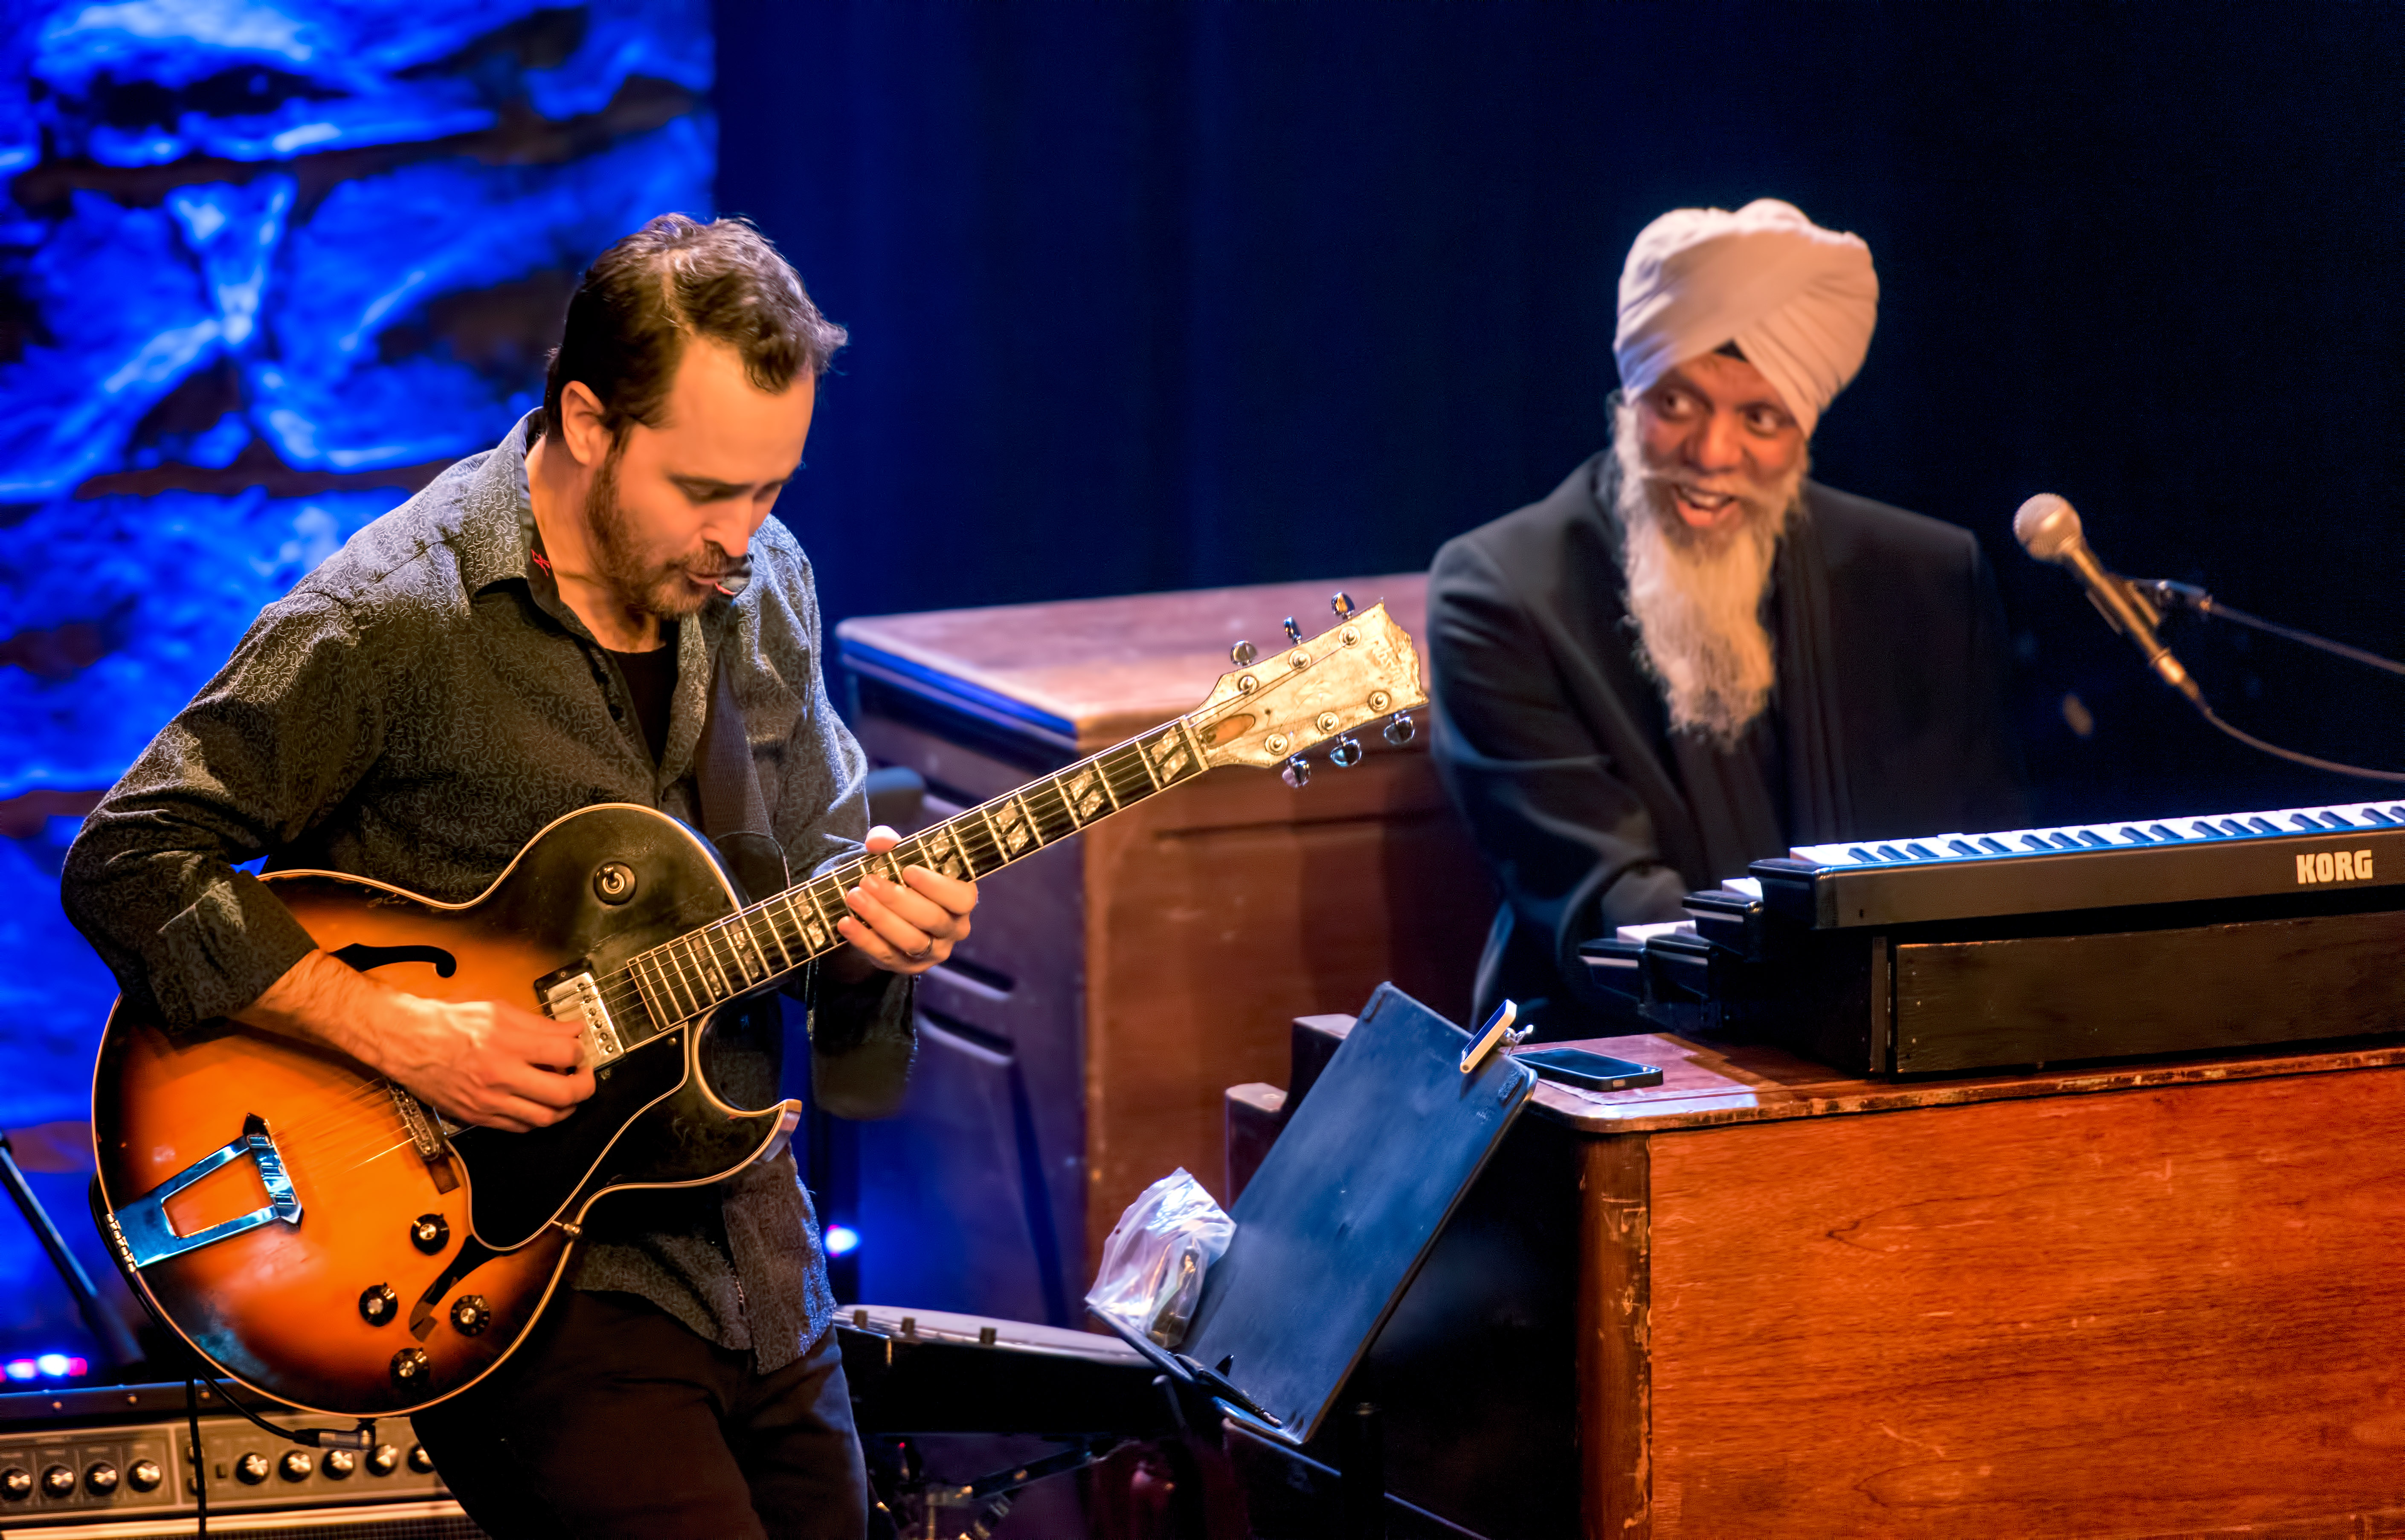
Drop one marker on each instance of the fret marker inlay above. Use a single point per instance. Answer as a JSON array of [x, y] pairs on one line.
[[1012, 820]]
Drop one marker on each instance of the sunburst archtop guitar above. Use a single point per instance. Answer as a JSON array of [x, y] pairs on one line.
[[322, 1237]]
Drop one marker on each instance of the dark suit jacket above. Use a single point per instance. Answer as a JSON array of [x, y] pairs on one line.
[[1888, 720]]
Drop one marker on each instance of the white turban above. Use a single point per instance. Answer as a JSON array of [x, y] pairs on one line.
[[1798, 300]]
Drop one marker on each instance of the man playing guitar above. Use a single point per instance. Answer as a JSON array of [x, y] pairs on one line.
[[573, 617]]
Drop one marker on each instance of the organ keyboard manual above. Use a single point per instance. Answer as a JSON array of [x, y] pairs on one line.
[[1972, 951]]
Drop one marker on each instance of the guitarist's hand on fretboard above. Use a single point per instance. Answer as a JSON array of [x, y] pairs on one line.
[[481, 1063], [902, 930]]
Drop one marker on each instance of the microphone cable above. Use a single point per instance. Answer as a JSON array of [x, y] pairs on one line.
[[2166, 595], [2333, 766]]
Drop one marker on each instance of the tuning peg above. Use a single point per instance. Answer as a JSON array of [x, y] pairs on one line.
[[1244, 652], [1343, 604], [1293, 632], [1401, 730], [1297, 772], [1346, 754]]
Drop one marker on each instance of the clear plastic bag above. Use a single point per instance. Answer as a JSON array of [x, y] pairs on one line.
[[1154, 1262]]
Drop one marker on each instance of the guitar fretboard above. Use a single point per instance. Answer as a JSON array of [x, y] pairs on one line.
[[683, 979]]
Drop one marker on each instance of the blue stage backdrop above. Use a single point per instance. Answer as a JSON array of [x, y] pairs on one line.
[[265, 265]]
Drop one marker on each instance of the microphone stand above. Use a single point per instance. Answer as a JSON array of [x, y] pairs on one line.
[[2166, 595]]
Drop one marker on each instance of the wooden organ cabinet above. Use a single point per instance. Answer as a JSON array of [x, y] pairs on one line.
[[1079, 1044]]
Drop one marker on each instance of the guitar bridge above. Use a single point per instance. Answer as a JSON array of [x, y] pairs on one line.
[[574, 997], [426, 1137]]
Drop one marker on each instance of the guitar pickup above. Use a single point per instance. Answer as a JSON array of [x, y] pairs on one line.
[[574, 997]]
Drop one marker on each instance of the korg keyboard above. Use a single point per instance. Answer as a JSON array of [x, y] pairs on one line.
[[1981, 951]]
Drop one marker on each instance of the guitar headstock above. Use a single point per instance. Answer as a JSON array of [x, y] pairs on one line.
[[1271, 708]]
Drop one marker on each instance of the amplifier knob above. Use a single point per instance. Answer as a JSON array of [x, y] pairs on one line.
[[145, 1476], [383, 1460], [295, 1466], [16, 1483], [410, 1368], [58, 1482], [378, 1305], [100, 1478], [419, 1461], [252, 1469], [430, 1233], [471, 1315]]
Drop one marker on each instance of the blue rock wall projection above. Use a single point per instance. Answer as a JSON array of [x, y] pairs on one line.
[[265, 266]]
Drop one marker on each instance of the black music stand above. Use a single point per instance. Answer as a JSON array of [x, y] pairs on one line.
[[1330, 1233], [1334, 1225]]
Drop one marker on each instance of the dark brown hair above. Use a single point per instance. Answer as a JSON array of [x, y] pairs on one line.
[[674, 279]]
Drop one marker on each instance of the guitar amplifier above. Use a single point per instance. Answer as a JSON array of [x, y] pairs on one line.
[[116, 1460]]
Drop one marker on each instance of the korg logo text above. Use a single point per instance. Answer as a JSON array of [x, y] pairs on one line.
[[2334, 866]]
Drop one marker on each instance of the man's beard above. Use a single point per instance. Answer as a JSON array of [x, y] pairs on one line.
[[1697, 595], [668, 590]]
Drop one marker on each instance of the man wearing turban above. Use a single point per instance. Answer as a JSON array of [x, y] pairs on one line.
[[1691, 656]]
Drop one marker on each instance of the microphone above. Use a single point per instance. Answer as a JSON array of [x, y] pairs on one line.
[[2047, 527]]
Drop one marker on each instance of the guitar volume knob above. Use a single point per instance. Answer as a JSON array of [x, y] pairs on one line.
[[379, 1305], [430, 1233], [471, 1315], [411, 1368]]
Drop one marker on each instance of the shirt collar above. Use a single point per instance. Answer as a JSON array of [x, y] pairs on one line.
[[496, 515]]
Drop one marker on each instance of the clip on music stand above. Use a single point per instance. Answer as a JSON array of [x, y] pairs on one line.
[[1333, 1227]]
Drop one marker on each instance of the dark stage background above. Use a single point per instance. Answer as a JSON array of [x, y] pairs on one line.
[[1150, 297]]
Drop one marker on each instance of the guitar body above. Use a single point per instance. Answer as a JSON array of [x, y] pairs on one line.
[[326, 1199]]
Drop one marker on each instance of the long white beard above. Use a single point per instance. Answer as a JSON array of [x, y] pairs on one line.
[[1696, 599]]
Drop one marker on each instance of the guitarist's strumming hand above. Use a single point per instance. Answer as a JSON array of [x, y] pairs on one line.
[[904, 930], [484, 1062]]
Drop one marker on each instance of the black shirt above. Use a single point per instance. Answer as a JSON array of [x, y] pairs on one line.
[[651, 686]]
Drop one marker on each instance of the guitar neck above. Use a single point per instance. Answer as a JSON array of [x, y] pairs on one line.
[[755, 946]]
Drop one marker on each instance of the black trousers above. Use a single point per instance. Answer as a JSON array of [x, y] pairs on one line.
[[613, 1419]]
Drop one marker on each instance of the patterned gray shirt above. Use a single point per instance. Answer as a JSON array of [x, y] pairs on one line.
[[415, 712]]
